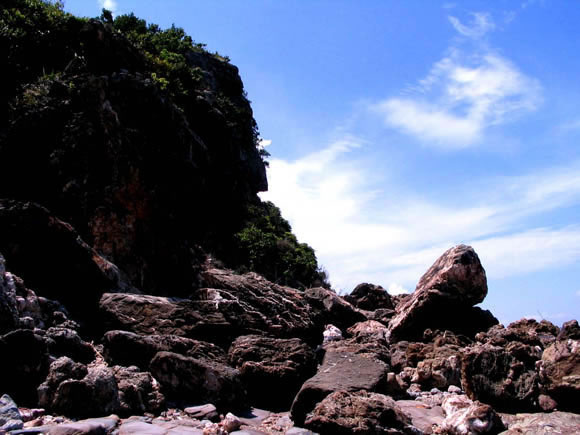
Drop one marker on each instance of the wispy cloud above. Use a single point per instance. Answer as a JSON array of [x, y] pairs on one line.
[[463, 95], [359, 233], [110, 5], [480, 25]]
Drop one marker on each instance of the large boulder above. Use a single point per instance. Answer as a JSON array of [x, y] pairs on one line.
[[272, 369], [332, 308], [198, 380], [24, 364], [53, 260], [127, 348], [340, 371], [505, 378], [444, 298], [370, 297], [234, 305], [559, 371], [359, 412]]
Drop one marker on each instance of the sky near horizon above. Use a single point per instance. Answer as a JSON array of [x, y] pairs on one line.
[[398, 129]]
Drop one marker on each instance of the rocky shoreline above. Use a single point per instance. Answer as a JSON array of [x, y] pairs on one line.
[[318, 362]]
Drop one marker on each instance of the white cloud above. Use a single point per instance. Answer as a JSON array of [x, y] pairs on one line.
[[265, 142], [110, 5], [480, 25], [397, 289], [363, 234], [463, 95]]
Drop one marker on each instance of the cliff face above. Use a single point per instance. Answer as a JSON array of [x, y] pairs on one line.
[[143, 172]]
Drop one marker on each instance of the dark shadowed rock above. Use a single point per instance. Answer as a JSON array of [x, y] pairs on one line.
[[559, 371], [67, 342], [357, 412], [235, 305], [571, 330], [505, 378], [454, 283], [38, 246], [8, 308], [272, 369], [370, 297], [332, 308], [138, 392], [24, 362], [340, 371], [127, 348], [198, 380]]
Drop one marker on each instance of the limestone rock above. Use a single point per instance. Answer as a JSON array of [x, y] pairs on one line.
[[198, 380], [370, 297], [360, 412], [454, 283], [272, 370], [340, 371]]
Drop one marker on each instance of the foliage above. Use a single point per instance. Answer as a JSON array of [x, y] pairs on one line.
[[266, 244]]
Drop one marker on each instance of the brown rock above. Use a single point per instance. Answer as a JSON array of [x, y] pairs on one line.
[[360, 412], [571, 330], [332, 308], [527, 331], [272, 370], [138, 392], [559, 371], [370, 297], [444, 298], [541, 423], [465, 417], [340, 371], [198, 380]]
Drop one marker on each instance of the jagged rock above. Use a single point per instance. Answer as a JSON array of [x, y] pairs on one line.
[[571, 330], [541, 423], [505, 378], [198, 380], [444, 298], [466, 417], [29, 237], [235, 305], [10, 418], [340, 371], [67, 342], [60, 370], [559, 371], [127, 348], [527, 331], [270, 365], [24, 364], [332, 308], [138, 391], [370, 297], [361, 412], [368, 330]]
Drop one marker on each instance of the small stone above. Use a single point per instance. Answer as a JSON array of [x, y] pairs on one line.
[[454, 389], [547, 403], [331, 333], [435, 391], [231, 422]]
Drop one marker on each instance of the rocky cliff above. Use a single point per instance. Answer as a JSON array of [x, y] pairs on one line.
[[128, 154]]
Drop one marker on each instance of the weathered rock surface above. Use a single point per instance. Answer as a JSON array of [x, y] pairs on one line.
[[196, 380], [541, 423], [505, 378], [527, 331], [235, 305], [559, 371], [139, 392], [370, 297], [10, 418], [465, 417], [425, 417], [332, 308], [450, 288], [67, 342], [357, 412], [571, 330], [270, 365], [340, 371], [127, 348]]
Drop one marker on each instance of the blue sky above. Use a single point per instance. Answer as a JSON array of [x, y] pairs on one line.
[[400, 128]]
